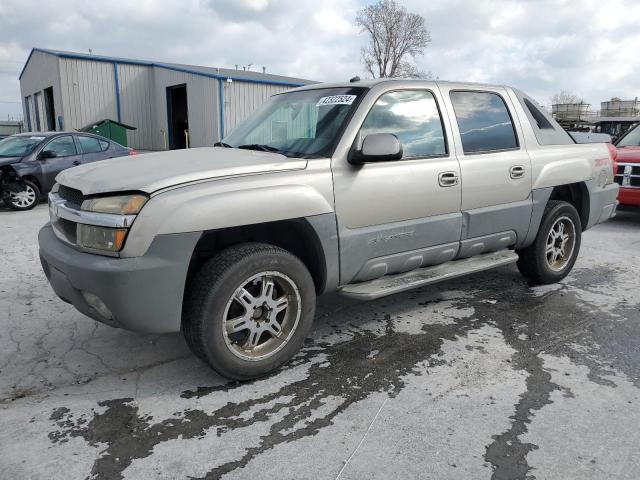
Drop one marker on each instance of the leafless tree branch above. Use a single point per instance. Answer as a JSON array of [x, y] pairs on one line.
[[394, 35]]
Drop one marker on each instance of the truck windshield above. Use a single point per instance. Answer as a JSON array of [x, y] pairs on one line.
[[305, 123], [18, 146], [631, 139]]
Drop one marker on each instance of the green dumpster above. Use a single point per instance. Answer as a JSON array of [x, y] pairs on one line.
[[110, 129]]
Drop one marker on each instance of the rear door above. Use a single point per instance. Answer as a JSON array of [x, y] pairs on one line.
[[495, 169], [63, 155], [94, 148]]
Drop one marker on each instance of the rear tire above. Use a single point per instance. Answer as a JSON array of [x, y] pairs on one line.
[[553, 253], [25, 200], [248, 310]]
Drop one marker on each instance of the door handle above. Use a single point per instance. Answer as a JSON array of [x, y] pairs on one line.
[[76, 162], [517, 171], [447, 179]]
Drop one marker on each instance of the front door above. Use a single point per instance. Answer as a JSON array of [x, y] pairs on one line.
[[61, 154], [398, 215], [495, 166]]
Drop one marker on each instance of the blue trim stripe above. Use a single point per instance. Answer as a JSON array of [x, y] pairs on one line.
[[222, 109], [116, 80], [124, 61]]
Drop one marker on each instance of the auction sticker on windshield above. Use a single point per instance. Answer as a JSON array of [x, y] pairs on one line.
[[336, 100]]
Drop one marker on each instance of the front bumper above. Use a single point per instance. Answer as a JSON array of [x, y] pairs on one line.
[[629, 196], [143, 294]]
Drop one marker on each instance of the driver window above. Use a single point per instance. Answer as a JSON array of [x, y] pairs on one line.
[[62, 146], [413, 117]]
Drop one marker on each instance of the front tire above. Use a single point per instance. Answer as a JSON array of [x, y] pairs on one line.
[[553, 253], [25, 200], [248, 310]]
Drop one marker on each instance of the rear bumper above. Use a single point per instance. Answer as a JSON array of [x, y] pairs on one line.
[[143, 294], [603, 203], [629, 196]]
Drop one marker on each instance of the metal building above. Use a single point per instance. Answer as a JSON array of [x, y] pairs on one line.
[[617, 116], [572, 116], [169, 104]]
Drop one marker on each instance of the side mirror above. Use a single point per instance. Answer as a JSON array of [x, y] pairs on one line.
[[377, 147], [46, 154]]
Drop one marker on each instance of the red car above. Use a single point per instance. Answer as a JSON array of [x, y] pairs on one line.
[[628, 172]]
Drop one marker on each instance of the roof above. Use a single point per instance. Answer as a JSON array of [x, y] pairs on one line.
[[369, 83], [51, 133], [39, 134], [212, 72]]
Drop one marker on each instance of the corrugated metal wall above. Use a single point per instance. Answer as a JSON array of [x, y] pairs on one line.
[[137, 105], [88, 92], [202, 102], [41, 72], [84, 92], [242, 98]]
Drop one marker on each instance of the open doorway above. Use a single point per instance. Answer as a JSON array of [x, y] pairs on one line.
[[49, 109], [177, 116]]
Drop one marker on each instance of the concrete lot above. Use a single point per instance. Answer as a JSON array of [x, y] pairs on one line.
[[478, 378]]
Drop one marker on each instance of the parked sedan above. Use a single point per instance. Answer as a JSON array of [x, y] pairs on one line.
[[29, 162]]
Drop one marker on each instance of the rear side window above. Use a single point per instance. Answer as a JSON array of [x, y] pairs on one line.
[[90, 145], [484, 122], [413, 117], [538, 116], [104, 145]]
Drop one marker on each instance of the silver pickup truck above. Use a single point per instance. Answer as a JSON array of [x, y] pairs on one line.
[[367, 188]]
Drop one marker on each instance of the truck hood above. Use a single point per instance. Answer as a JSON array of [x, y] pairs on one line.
[[154, 171], [629, 154], [9, 160]]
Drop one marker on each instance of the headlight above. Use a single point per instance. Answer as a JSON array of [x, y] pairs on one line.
[[100, 238], [118, 204]]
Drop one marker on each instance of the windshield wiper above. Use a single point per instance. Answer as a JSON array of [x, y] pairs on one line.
[[257, 146], [222, 144]]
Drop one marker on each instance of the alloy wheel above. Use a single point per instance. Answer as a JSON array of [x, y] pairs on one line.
[[261, 316], [560, 243]]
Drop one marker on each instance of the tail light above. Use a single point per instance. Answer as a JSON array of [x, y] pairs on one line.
[[613, 153], [132, 152]]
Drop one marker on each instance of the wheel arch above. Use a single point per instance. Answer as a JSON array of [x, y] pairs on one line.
[[303, 237], [577, 194]]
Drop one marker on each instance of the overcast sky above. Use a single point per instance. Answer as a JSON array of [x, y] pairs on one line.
[[591, 48]]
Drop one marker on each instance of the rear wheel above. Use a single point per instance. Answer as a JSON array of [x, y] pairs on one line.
[[27, 199], [555, 250], [249, 309]]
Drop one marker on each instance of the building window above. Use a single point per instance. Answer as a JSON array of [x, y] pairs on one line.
[[27, 109], [484, 122]]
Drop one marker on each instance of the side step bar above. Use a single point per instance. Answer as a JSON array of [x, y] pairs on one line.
[[390, 284]]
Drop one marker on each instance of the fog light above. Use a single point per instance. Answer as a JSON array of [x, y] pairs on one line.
[[101, 238], [98, 305]]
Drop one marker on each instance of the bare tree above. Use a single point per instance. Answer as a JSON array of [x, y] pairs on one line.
[[565, 96], [395, 35]]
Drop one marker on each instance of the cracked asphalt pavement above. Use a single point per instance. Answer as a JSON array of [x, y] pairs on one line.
[[481, 377]]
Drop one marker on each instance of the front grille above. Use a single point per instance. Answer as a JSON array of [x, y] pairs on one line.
[[66, 229], [71, 195], [628, 175]]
